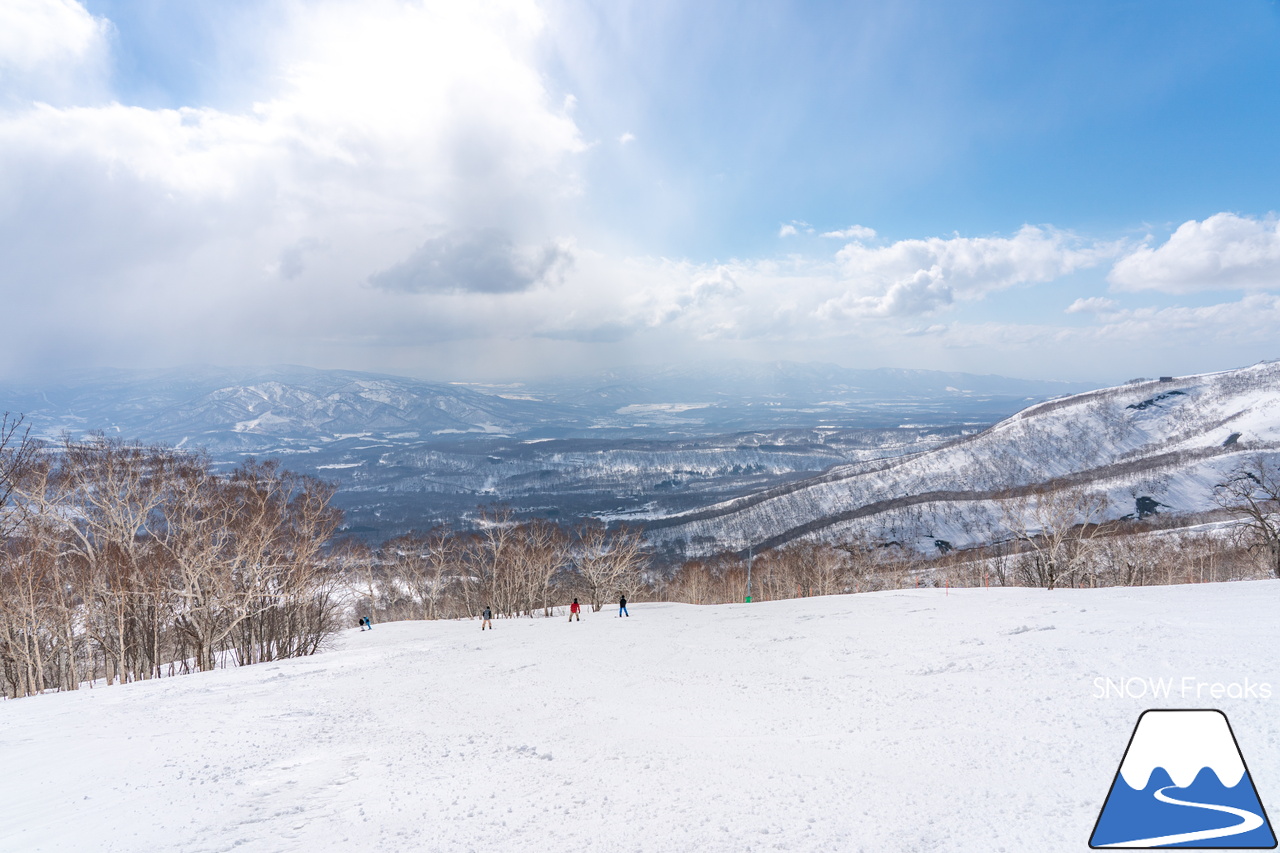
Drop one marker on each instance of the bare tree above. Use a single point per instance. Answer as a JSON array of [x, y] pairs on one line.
[[609, 562], [1251, 494], [17, 451], [493, 560], [1055, 528], [547, 555], [138, 556]]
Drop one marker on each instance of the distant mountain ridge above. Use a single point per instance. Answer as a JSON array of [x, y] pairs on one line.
[[812, 383], [1165, 442], [248, 408], [408, 453], [256, 408]]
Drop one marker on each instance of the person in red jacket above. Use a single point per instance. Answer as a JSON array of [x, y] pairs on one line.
[[575, 611]]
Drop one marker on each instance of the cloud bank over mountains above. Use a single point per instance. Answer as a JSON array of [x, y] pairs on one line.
[[410, 186]]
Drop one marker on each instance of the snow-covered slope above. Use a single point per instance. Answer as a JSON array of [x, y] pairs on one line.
[[1167, 440], [895, 721]]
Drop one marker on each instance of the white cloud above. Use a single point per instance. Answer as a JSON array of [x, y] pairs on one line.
[[626, 137], [1253, 318], [862, 292], [1224, 252], [417, 147], [51, 50], [768, 307], [179, 230], [1129, 341], [854, 232], [1091, 305], [481, 260], [913, 277]]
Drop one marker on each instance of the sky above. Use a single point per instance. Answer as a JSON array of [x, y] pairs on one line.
[[502, 189]]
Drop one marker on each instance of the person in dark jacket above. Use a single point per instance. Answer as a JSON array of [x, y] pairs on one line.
[[487, 614], [575, 611], [622, 608]]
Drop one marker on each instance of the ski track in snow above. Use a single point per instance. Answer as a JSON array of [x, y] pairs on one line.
[[1248, 822], [911, 720]]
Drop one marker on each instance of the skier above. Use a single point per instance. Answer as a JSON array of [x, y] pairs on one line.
[[575, 611], [622, 608], [488, 615], [365, 624]]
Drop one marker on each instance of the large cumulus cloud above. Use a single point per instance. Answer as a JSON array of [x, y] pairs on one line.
[[51, 51], [1225, 251], [181, 230], [912, 277]]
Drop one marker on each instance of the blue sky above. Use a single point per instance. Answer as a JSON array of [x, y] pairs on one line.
[[933, 118], [506, 187]]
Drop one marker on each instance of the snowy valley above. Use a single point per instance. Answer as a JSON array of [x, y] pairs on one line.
[[410, 454]]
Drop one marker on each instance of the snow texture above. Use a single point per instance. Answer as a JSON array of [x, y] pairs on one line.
[[913, 720]]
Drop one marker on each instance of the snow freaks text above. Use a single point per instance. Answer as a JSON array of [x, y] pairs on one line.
[[1186, 687]]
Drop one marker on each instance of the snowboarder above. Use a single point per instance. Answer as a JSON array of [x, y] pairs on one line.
[[575, 611], [622, 608], [488, 616], [366, 623]]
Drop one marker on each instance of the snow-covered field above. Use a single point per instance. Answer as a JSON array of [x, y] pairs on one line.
[[911, 720]]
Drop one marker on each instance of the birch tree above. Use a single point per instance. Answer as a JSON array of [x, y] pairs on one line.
[[1055, 529], [1251, 495]]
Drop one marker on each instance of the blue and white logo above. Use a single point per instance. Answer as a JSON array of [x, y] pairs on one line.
[[1183, 783]]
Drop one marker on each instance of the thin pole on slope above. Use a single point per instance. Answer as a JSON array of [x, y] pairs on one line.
[[749, 554]]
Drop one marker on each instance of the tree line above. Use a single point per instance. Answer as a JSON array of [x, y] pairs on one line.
[[125, 562], [515, 567]]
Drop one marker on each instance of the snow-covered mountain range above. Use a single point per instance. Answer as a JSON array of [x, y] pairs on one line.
[[730, 456], [1164, 442], [410, 453], [227, 409], [259, 408]]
